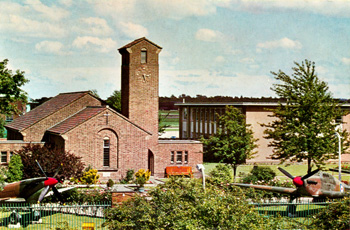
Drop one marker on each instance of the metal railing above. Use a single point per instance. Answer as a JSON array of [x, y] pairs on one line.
[[298, 214], [52, 216]]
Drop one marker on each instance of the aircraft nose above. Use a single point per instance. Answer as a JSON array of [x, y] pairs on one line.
[[50, 181], [297, 181]]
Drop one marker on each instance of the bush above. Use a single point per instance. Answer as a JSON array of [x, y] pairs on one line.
[[110, 183], [335, 216], [142, 176], [15, 171], [259, 173], [82, 196], [50, 160], [90, 177], [129, 177], [181, 204], [222, 173]]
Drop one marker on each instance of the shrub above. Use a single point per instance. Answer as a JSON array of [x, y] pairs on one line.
[[110, 183], [90, 177], [181, 204], [220, 174], [15, 169], [259, 173], [129, 177], [142, 176], [50, 160], [335, 216], [82, 196]]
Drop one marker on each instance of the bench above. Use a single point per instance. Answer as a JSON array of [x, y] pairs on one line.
[[178, 171]]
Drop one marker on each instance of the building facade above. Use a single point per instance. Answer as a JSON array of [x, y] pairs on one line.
[[200, 119], [109, 141]]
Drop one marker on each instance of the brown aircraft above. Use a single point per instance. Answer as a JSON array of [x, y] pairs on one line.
[[317, 184]]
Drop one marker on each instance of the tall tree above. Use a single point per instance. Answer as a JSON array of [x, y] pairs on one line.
[[304, 128], [234, 142], [15, 169], [115, 100], [10, 90]]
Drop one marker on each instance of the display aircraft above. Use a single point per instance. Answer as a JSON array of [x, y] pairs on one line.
[[31, 191], [317, 184]]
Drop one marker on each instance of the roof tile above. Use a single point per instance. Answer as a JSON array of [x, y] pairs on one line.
[[45, 110], [76, 119]]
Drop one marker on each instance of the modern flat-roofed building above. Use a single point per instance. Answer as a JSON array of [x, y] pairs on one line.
[[200, 119]]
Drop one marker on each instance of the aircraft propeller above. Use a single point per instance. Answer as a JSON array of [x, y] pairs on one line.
[[50, 182], [300, 181]]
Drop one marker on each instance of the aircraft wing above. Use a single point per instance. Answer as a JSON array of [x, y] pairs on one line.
[[283, 190], [60, 190], [333, 194]]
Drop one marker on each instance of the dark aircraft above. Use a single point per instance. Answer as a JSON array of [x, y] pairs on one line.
[[31, 190], [317, 184]]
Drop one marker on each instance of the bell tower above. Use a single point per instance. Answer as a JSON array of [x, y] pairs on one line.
[[140, 83]]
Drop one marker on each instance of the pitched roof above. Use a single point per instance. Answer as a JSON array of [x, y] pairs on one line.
[[137, 41], [45, 110], [84, 115], [76, 119]]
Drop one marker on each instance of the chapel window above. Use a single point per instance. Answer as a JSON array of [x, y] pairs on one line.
[[106, 151]]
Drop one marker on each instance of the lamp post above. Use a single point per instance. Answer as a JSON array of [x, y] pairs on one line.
[[339, 152], [200, 168]]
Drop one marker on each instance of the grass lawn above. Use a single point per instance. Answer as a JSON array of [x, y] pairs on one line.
[[57, 221], [295, 170]]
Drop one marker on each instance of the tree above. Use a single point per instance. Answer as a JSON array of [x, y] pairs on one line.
[[50, 160], [234, 142], [95, 93], [161, 122], [10, 91], [304, 128], [115, 100], [15, 172]]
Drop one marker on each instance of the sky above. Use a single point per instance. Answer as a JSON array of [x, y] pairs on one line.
[[210, 47]]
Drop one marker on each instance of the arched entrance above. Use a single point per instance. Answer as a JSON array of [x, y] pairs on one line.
[[151, 162]]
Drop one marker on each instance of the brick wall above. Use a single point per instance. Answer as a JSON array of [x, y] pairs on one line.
[[163, 157], [13, 146], [128, 144]]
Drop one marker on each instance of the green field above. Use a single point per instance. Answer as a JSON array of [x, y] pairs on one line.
[[295, 169], [56, 221]]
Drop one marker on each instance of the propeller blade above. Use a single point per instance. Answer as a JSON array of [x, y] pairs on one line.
[[286, 173], [41, 168], [57, 194], [58, 169], [311, 182], [310, 174], [43, 193]]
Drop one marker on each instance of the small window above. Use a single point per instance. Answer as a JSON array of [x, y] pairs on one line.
[[3, 157], [172, 157], [143, 56], [178, 157], [186, 157], [9, 118], [106, 149]]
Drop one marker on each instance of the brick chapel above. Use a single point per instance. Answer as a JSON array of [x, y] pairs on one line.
[[109, 141]]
